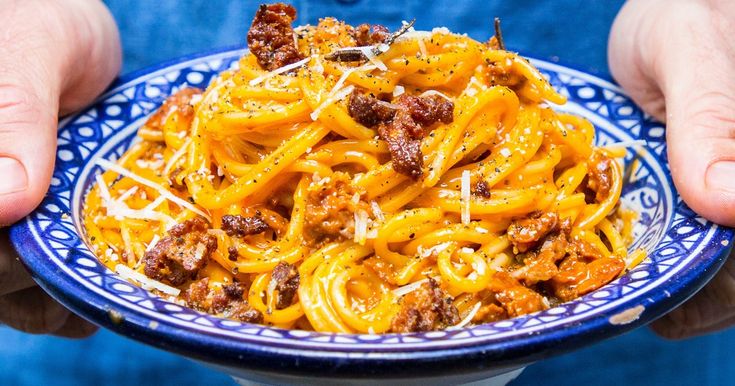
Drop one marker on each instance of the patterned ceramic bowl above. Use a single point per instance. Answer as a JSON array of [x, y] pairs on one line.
[[685, 251]]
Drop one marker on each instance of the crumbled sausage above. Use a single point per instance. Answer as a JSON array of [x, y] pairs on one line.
[[526, 232], [286, 278], [404, 126], [365, 37], [368, 110], [425, 309], [576, 278], [179, 256], [490, 313], [330, 208], [599, 175], [540, 265], [179, 104], [237, 225], [270, 37], [482, 189], [232, 254], [427, 110], [405, 152], [514, 297], [243, 312], [227, 301]]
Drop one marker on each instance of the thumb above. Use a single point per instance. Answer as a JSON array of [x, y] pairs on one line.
[[55, 56], [679, 50]]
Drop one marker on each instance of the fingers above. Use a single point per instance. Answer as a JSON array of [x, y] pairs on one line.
[[32, 310], [76, 328], [682, 50], [711, 309], [13, 276], [48, 49]]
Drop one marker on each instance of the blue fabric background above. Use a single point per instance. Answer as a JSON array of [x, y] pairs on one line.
[[573, 32]]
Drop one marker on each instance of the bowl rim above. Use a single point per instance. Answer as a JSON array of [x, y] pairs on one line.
[[282, 358]]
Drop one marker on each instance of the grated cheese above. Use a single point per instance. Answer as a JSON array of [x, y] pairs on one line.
[[175, 157], [435, 92], [398, 90], [467, 319], [422, 48], [163, 191], [368, 52], [339, 95], [465, 197], [481, 230], [278, 71], [377, 211], [153, 243], [127, 194], [361, 219], [146, 283], [408, 288], [435, 249]]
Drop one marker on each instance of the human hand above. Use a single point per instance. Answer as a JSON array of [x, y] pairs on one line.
[[55, 57], [676, 59]]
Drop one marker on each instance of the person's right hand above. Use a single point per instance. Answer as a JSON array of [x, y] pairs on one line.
[[676, 58], [55, 57]]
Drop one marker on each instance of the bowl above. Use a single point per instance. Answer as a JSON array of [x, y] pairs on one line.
[[684, 251]]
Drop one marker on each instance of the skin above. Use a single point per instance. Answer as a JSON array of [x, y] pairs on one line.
[[674, 57], [55, 57]]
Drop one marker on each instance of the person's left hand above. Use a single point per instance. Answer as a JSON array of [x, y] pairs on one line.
[[676, 58], [56, 56]]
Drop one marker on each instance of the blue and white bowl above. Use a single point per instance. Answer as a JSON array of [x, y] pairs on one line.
[[685, 252]]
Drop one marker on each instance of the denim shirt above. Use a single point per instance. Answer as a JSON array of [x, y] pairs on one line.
[[573, 32]]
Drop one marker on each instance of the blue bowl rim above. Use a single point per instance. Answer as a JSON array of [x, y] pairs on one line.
[[469, 358]]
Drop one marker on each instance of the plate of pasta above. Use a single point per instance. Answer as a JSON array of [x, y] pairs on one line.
[[350, 202]]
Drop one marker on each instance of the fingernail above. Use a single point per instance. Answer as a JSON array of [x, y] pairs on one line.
[[13, 177], [721, 176]]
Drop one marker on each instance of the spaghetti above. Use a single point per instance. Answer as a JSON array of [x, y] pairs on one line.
[[346, 179]]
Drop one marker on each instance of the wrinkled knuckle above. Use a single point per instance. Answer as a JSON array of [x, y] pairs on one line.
[[17, 102]]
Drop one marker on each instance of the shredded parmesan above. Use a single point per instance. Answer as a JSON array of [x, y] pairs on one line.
[[318, 67], [104, 191], [368, 52], [163, 191], [465, 197], [127, 194], [346, 74], [339, 95], [153, 243], [408, 288], [398, 90], [467, 319], [435, 249], [278, 71], [175, 157], [147, 283], [435, 92], [361, 223], [422, 48], [377, 211], [505, 152], [481, 230]]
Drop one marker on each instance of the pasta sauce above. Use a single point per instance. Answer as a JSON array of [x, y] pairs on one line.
[[349, 179]]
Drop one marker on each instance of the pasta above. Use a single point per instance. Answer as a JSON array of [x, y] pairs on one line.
[[346, 179]]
